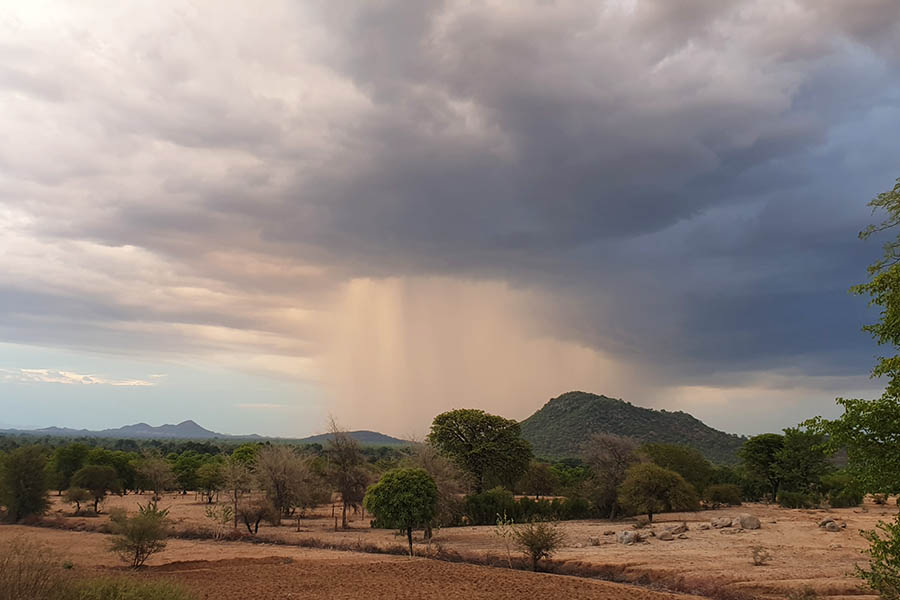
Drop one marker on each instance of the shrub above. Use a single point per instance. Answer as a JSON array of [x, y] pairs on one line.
[[141, 536], [879, 499], [483, 508], [253, 512], [796, 500], [722, 494], [538, 539], [883, 574], [121, 588], [842, 490], [76, 496], [24, 483], [27, 572]]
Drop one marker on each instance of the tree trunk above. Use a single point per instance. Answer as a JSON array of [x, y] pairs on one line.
[[428, 531], [235, 508], [650, 517], [344, 516], [96, 506], [409, 538]]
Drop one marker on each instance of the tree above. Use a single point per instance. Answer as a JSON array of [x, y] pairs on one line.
[[488, 447], [140, 536], [96, 479], [184, 467], [450, 480], [538, 539], [650, 489], [76, 495], [122, 462], [66, 460], [404, 499], [609, 457], [236, 479], [24, 482], [253, 511], [284, 476], [802, 460], [684, 460], [883, 574], [346, 469], [539, 480], [760, 456], [210, 479], [155, 474]]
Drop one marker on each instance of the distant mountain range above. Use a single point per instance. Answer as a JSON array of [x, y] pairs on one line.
[[563, 424], [190, 430]]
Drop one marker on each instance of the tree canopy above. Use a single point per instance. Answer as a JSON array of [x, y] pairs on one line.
[[761, 458], [403, 499], [488, 447], [650, 489]]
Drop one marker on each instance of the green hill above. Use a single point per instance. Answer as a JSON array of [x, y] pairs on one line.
[[559, 428]]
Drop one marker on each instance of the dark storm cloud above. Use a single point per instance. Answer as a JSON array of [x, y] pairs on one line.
[[686, 178]]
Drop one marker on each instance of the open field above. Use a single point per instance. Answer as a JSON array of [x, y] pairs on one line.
[[710, 561]]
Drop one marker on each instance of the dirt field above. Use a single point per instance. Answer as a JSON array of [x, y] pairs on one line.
[[708, 561]]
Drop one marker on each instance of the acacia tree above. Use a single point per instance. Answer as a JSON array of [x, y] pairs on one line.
[[761, 457], [24, 482], [684, 460], [96, 479], [156, 474], [609, 457], [403, 499], [210, 479], [450, 480], [286, 478], [650, 489], [484, 445], [236, 479], [346, 469], [66, 461]]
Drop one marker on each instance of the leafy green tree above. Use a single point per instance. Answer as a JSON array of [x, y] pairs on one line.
[[155, 474], [539, 480], [77, 496], [246, 453], [609, 456], [96, 479], [684, 460], [66, 460], [403, 499], [210, 479], [883, 574], [761, 459], [122, 462], [486, 446], [650, 489], [802, 461], [451, 482], [24, 482], [184, 467]]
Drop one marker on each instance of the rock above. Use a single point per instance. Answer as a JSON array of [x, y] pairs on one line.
[[676, 529], [730, 531], [832, 526], [703, 526], [666, 536], [609, 532], [736, 522], [834, 546], [843, 525], [721, 522], [682, 536], [629, 537], [748, 521], [594, 541], [824, 522]]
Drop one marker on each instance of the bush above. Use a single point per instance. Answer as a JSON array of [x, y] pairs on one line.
[[121, 588], [24, 483], [538, 539], [883, 574], [28, 572], [723, 494], [842, 490], [796, 500], [650, 489], [483, 508], [77, 496], [879, 499], [141, 536]]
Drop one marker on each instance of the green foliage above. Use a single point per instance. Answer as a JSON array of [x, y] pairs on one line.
[[722, 494], [122, 462], [483, 508], [24, 482], [77, 496], [883, 574], [868, 430], [650, 489], [96, 479], [539, 480], [140, 536], [760, 457], [488, 447], [557, 429], [687, 462], [210, 479], [184, 467], [842, 489], [788, 499], [66, 461], [403, 499], [28, 571], [246, 453], [538, 540], [803, 461]]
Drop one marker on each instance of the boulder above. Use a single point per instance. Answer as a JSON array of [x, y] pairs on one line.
[[666, 536], [676, 529], [824, 522], [682, 536], [748, 521], [832, 526], [720, 522], [629, 537], [594, 541], [703, 526], [609, 532]]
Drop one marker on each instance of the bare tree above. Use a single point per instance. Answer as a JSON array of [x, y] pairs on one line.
[[609, 457], [236, 477], [286, 478], [346, 469]]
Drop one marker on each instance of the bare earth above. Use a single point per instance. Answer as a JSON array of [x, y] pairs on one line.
[[707, 562]]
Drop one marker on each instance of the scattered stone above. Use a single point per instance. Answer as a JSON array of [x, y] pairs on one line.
[[824, 522], [703, 526], [834, 546], [666, 536], [682, 536], [832, 526], [676, 529], [748, 521], [629, 537], [594, 541], [721, 522], [843, 525], [730, 531], [609, 532]]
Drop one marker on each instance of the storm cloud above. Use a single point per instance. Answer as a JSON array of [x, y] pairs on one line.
[[422, 205]]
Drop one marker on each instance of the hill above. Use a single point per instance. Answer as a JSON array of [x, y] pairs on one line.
[[559, 428], [365, 437]]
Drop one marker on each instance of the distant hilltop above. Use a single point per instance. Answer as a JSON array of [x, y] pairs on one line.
[[190, 430], [559, 428]]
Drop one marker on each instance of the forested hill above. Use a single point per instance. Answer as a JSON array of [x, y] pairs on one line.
[[559, 428]]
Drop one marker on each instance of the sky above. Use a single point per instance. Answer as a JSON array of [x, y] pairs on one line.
[[257, 216]]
